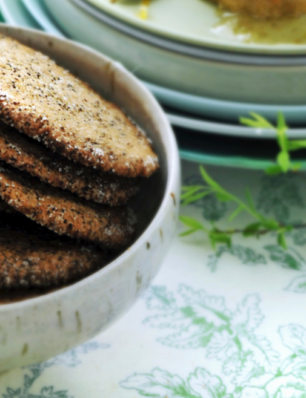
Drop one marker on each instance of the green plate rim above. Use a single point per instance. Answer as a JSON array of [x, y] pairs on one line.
[[230, 161]]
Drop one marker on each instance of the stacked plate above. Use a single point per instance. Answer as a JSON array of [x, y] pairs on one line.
[[205, 75]]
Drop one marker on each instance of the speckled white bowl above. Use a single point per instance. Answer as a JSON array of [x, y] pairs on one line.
[[42, 327]]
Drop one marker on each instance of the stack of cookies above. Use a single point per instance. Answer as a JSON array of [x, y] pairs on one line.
[[69, 161]]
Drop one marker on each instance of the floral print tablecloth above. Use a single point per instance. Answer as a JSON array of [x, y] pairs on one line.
[[229, 323]]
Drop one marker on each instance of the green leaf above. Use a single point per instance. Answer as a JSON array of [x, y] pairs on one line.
[[212, 242], [296, 145], [257, 121], [248, 122], [187, 188], [223, 197], [251, 229], [296, 166], [273, 170], [281, 240], [288, 228], [195, 198], [212, 183], [188, 232], [190, 191], [281, 123], [236, 213], [281, 133], [192, 223], [262, 120], [271, 224], [283, 159], [219, 237], [249, 199]]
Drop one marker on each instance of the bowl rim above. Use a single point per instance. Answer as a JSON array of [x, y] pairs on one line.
[[173, 167]]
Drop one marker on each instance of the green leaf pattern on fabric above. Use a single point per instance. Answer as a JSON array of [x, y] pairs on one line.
[[70, 359], [162, 384], [198, 320], [202, 384], [213, 210], [297, 285], [279, 194], [290, 259], [245, 254], [298, 236], [286, 258], [159, 384]]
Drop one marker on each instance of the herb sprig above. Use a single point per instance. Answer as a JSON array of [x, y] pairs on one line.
[[283, 159], [261, 225]]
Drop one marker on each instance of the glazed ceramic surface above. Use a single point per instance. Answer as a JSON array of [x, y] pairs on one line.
[[252, 83], [15, 13], [202, 125], [226, 151], [37, 9], [200, 105], [192, 22], [39, 328], [225, 110], [185, 48], [228, 323]]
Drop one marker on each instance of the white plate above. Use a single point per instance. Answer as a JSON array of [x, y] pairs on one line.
[[212, 79], [186, 48], [194, 22]]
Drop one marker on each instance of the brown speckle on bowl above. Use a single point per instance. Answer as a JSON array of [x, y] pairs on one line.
[[138, 280], [173, 197], [24, 350], [60, 319], [79, 321]]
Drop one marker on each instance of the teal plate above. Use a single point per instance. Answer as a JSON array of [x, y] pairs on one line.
[[14, 13], [37, 9], [228, 151]]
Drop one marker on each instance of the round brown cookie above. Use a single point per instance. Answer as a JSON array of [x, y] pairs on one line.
[[31, 257], [49, 104], [64, 213], [24, 153]]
